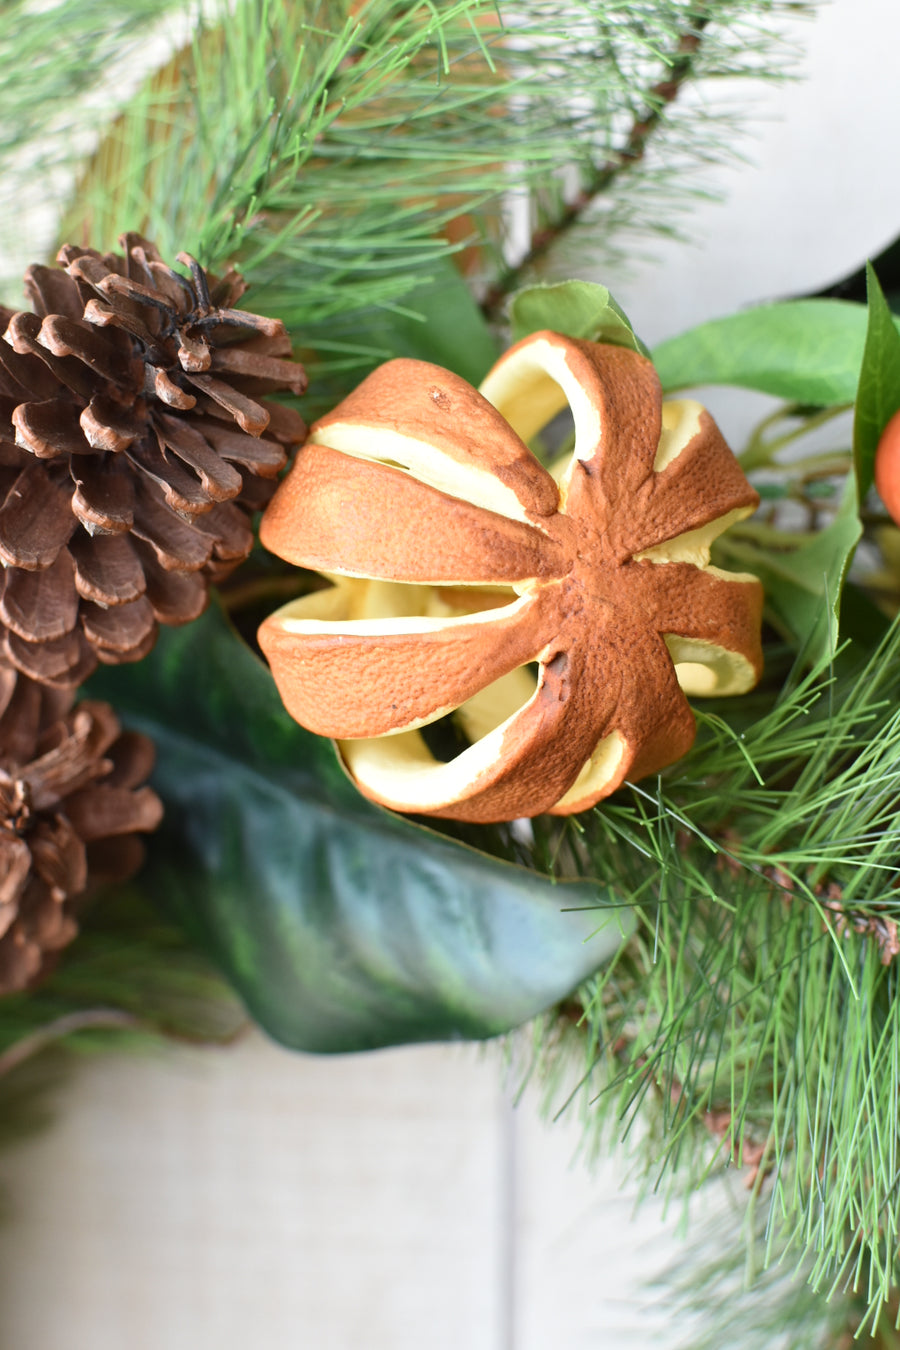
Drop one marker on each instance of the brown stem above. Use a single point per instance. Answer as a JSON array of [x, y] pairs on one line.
[[88, 1020], [659, 97], [234, 598]]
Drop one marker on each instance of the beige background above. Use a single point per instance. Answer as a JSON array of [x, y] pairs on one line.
[[253, 1198]]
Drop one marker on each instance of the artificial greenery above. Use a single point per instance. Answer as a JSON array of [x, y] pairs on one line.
[[339, 152], [343, 926], [132, 978], [362, 164]]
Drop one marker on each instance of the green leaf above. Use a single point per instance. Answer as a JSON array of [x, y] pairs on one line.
[[819, 352], [804, 586], [342, 926], [579, 309], [878, 397], [440, 322], [443, 324], [807, 351]]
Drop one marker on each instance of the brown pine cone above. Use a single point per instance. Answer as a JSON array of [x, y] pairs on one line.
[[71, 802], [133, 449]]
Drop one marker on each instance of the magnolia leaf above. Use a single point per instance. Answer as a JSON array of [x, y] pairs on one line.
[[807, 351], [579, 309], [342, 926], [879, 384]]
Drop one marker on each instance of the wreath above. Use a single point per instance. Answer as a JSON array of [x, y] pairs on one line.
[[575, 718]]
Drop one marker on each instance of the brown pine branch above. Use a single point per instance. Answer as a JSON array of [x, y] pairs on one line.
[[89, 1019], [659, 97]]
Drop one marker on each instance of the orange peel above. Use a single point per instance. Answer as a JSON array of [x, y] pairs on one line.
[[562, 617]]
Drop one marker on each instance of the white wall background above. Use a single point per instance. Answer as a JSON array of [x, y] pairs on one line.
[[397, 1201]]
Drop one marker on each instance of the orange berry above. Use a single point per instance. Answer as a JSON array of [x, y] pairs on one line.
[[887, 467]]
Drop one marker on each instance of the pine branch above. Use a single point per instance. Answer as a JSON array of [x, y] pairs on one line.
[[681, 65], [332, 149], [743, 1002], [67, 1024]]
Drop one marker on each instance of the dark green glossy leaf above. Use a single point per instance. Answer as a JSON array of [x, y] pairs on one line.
[[442, 324], [580, 309], [878, 397], [807, 351], [343, 927]]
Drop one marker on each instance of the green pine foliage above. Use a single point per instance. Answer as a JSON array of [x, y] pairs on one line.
[[342, 152], [131, 979], [346, 157], [758, 1000]]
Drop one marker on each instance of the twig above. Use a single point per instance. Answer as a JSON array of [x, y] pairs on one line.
[[659, 97], [88, 1020], [271, 588]]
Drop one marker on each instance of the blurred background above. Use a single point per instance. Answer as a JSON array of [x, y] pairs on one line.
[[401, 1199]]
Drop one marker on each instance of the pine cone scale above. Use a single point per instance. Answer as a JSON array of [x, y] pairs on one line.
[[176, 597], [250, 416], [58, 856], [97, 349], [117, 314], [262, 457], [102, 812], [48, 430], [41, 605], [64, 661], [52, 291], [178, 546], [122, 629], [20, 717], [132, 758], [194, 354], [22, 335], [219, 481], [181, 490], [107, 570], [36, 520], [74, 757], [15, 864], [286, 425], [104, 497], [228, 530], [108, 426], [25, 377], [255, 366], [170, 393]]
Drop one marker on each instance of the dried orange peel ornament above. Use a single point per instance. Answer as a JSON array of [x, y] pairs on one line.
[[457, 562]]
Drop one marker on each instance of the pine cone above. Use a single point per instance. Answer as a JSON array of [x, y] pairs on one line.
[[132, 452], [70, 804]]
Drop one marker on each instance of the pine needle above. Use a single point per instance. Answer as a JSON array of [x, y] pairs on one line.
[[759, 999]]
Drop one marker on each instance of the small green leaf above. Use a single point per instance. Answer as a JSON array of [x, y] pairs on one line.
[[806, 351], [579, 309], [878, 397], [342, 926]]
